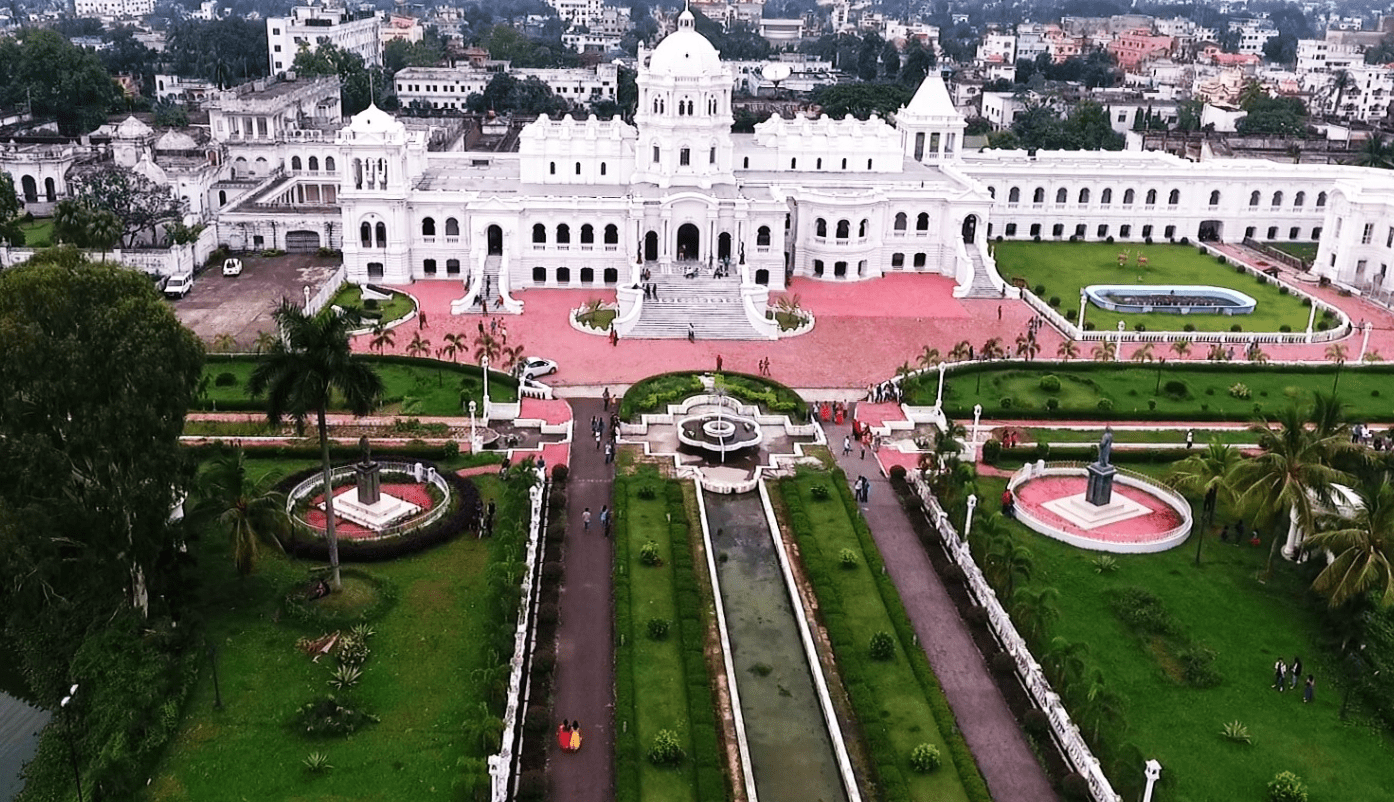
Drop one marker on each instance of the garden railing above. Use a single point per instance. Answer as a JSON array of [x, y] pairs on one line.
[[315, 483]]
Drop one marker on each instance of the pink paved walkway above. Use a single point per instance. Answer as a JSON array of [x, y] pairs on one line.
[[1143, 529], [865, 330], [546, 410]]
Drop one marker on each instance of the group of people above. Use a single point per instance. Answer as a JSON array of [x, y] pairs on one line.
[[1237, 536], [1285, 678], [862, 436], [1008, 504], [569, 735], [484, 518], [650, 291], [598, 428], [883, 392], [605, 518], [497, 328], [834, 411], [862, 490]]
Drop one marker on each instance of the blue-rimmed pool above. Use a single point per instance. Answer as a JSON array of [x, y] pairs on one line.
[[1176, 299]]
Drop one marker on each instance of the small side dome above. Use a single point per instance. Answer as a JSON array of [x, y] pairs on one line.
[[373, 120], [175, 140]]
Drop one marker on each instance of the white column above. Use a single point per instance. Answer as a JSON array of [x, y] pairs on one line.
[[1154, 772], [1083, 301], [968, 519], [1311, 319], [977, 417], [484, 368], [1365, 343], [939, 396]]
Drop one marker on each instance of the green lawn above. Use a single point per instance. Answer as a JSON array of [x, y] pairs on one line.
[[892, 698], [661, 684], [411, 387], [420, 679], [350, 296], [1250, 624], [38, 233], [1122, 437], [1306, 251], [1129, 390], [1066, 267]]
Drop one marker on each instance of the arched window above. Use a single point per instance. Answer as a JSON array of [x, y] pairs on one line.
[[1299, 199], [1277, 199], [314, 164], [578, 168], [222, 197], [539, 233], [1214, 197], [428, 227], [1253, 198], [612, 234], [1106, 197], [1151, 197], [552, 168], [818, 165], [1128, 196], [329, 163], [295, 162], [1083, 197], [1038, 196], [563, 234], [602, 168], [901, 221], [843, 229], [1175, 197], [820, 227], [452, 227], [762, 237], [922, 222], [1061, 195], [861, 230], [365, 235], [1014, 195], [992, 192], [793, 163], [587, 234], [1321, 199], [844, 164], [381, 232]]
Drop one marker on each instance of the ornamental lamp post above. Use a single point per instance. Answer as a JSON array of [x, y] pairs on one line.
[[968, 519], [72, 746]]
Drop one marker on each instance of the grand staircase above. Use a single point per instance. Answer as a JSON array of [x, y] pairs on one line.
[[712, 305], [981, 286]]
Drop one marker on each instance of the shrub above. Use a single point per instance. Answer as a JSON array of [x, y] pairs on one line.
[[647, 493], [1221, 260], [1142, 611], [1240, 390], [532, 786], [658, 628], [925, 758], [225, 379], [345, 676], [1006, 402], [1175, 389], [1287, 787], [898, 472], [1285, 328], [560, 473], [1075, 787], [1283, 290], [1152, 403], [1050, 383], [1104, 564], [666, 750], [1148, 240], [1198, 667], [1109, 239], [317, 763], [820, 492], [1236, 327], [1068, 314], [1189, 327], [1088, 325], [847, 559], [1139, 327], [1185, 240], [1210, 391], [1237, 732], [351, 650], [1054, 301], [648, 554], [992, 449], [882, 646], [1052, 404], [547, 614], [1105, 405], [328, 715], [370, 304], [1322, 325], [1039, 289], [1260, 280]]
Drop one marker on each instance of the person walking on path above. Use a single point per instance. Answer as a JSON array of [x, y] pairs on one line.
[[718, 363], [421, 321], [846, 445], [586, 520], [1190, 437], [605, 398], [597, 439], [691, 332], [609, 453], [605, 519]]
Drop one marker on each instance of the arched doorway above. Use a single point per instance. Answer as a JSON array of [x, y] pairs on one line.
[[495, 235], [970, 228], [723, 246], [29, 188], [1210, 230], [651, 246], [689, 240], [50, 192]]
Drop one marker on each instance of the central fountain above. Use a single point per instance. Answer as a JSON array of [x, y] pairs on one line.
[[719, 431]]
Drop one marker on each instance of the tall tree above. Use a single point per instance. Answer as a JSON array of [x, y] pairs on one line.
[[302, 373], [1208, 473], [246, 509], [47, 74], [10, 207], [98, 374], [1363, 545], [138, 203]]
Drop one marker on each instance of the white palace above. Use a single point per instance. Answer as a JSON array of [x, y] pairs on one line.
[[591, 203]]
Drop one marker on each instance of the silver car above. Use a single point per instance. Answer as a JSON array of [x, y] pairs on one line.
[[534, 367]]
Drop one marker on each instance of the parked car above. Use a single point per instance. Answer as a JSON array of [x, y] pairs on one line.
[[179, 286], [534, 367], [232, 267]]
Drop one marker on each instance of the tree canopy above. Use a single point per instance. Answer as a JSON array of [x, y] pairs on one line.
[[359, 85], [1281, 116], [43, 71], [227, 51], [1040, 127], [861, 100], [98, 375], [138, 203]]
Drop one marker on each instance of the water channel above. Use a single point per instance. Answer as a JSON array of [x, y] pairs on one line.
[[791, 753], [20, 723]]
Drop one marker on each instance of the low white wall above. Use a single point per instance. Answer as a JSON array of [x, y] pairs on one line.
[[1167, 540]]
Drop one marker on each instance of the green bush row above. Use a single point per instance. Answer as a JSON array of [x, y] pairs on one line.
[[655, 393], [822, 570], [628, 754]]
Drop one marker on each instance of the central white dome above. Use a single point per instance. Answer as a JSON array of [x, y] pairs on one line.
[[685, 53]]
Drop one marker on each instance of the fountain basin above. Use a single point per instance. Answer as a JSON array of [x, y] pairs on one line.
[[719, 434], [1178, 299]]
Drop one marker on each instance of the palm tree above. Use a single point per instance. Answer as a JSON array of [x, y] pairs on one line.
[[1068, 350], [455, 344], [383, 338], [1341, 81], [1143, 354], [928, 358], [104, 230], [992, 349], [1373, 356], [1105, 351], [1336, 353], [1064, 663], [1181, 348], [419, 346], [1034, 611], [1375, 153], [1217, 353], [1007, 561], [1209, 474], [960, 351], [224, 343], [249, 510], [510, 356], [1362, 544], [264, 341], [302, 372], [1292, 474], [486, 344]]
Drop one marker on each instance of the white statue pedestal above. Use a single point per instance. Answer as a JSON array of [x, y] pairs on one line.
[[1080, 512], [379, 515]]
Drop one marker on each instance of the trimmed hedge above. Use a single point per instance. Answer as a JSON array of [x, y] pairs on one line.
[[464, 497], [849, 650], [655, 393], [346, 452]]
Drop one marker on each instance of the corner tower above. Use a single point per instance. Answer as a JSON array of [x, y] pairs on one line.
[[931, 129], [684, 114]]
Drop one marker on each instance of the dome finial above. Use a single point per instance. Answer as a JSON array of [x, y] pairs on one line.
[[686, 18]]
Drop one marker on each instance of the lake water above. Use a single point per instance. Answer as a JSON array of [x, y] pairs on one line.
[[20, 723]]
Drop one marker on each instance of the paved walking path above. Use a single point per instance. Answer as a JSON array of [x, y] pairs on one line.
[[585, 678], [993, 734]]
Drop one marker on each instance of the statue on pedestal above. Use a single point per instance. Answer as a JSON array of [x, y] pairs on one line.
[[367, 475], [1101, 473]]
